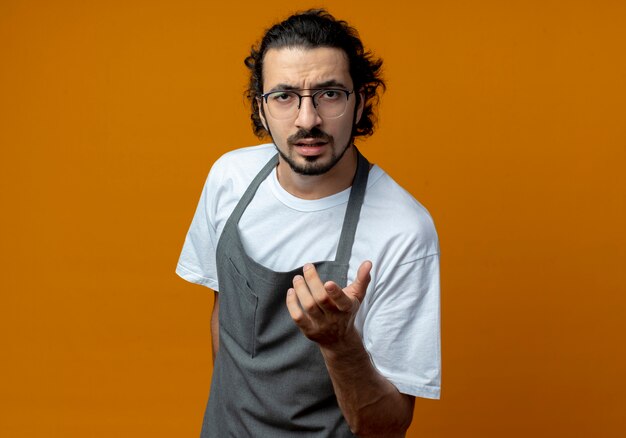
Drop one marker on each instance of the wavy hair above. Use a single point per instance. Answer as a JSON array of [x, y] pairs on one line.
[[311, 29]]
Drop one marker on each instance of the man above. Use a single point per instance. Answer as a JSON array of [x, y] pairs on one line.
[[326, 322]]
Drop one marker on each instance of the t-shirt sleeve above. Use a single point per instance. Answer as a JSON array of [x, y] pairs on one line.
[[197, 259], [402, 329]]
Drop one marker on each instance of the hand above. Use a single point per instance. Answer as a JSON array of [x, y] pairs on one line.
[[323, 311]]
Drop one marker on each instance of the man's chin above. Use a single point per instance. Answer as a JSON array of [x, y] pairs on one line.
[[313, 159], [311, 166]]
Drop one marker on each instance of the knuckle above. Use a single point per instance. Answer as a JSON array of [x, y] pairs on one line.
[[323, 299], [310, 307]]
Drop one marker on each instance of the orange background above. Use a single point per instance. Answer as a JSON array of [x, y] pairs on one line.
[[505, 118]]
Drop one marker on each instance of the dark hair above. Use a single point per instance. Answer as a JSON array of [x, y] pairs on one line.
[[311, 29]]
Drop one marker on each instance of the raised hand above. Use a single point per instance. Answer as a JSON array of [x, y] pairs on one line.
[[323, 311]]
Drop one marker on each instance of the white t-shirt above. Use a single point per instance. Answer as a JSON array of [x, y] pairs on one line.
[[399, 317]]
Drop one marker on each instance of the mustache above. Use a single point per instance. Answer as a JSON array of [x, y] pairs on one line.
[[316, 133]]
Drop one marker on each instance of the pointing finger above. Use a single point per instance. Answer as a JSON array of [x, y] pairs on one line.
[[317, 289], [304, 296]]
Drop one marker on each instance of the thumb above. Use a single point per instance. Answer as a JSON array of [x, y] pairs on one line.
[[363, 277]]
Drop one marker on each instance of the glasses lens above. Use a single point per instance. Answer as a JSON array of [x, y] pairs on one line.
[[282, 104], [331, 103]]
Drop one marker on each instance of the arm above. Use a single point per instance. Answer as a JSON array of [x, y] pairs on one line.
[[372, 406], [325, 313], [215, 326]]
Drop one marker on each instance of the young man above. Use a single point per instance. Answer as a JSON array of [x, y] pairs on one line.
[[326, 322]]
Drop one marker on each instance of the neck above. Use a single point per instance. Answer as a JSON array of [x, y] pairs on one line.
[[319, 186]]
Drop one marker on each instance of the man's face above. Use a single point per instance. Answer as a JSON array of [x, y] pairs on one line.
[[310, 144]]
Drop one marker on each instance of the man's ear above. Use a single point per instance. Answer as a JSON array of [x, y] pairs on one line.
[[361, 105], [259, 102]]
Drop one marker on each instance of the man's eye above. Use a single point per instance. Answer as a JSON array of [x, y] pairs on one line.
[[282, 97], [329, 94]]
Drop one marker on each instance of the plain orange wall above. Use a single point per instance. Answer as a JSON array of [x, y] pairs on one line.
[[505, 118]]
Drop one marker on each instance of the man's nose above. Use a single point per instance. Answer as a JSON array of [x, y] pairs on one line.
[[307, 114]]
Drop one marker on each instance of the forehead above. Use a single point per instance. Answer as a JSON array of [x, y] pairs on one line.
[[305, 68]]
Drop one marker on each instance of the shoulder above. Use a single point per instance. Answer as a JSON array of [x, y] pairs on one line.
[[249, 154], [244, 160], [234, 170], [399, 222]]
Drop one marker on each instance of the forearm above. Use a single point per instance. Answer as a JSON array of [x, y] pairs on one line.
[[371, 404]]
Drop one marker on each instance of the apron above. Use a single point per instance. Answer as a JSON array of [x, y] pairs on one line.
[[270, 380]]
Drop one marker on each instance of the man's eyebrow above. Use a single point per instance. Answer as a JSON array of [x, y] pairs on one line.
[[330, 83], [282, 87], [325, 84]]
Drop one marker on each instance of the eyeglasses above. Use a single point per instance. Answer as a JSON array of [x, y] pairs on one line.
[[330, 103]]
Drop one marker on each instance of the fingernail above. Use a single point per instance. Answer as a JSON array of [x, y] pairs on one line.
[[307, 266]]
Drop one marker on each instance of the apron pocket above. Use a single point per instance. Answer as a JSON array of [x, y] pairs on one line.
[[238, 304]]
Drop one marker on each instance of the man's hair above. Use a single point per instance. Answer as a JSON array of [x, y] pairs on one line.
[[309, 30]]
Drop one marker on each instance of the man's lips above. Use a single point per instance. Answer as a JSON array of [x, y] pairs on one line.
[[310, 147], [309, 142]]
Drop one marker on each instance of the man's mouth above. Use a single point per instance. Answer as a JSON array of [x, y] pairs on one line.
[[309, 142], [310, 146]]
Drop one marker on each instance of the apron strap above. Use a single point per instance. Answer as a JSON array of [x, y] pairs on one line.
[[251, 190], [353, 210]]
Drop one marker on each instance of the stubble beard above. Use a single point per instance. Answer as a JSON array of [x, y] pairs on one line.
[[313, 164]]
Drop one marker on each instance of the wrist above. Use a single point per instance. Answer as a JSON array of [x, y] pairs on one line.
[[348, 347]]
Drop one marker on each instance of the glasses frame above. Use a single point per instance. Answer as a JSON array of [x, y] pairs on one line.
[[265, 96]]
